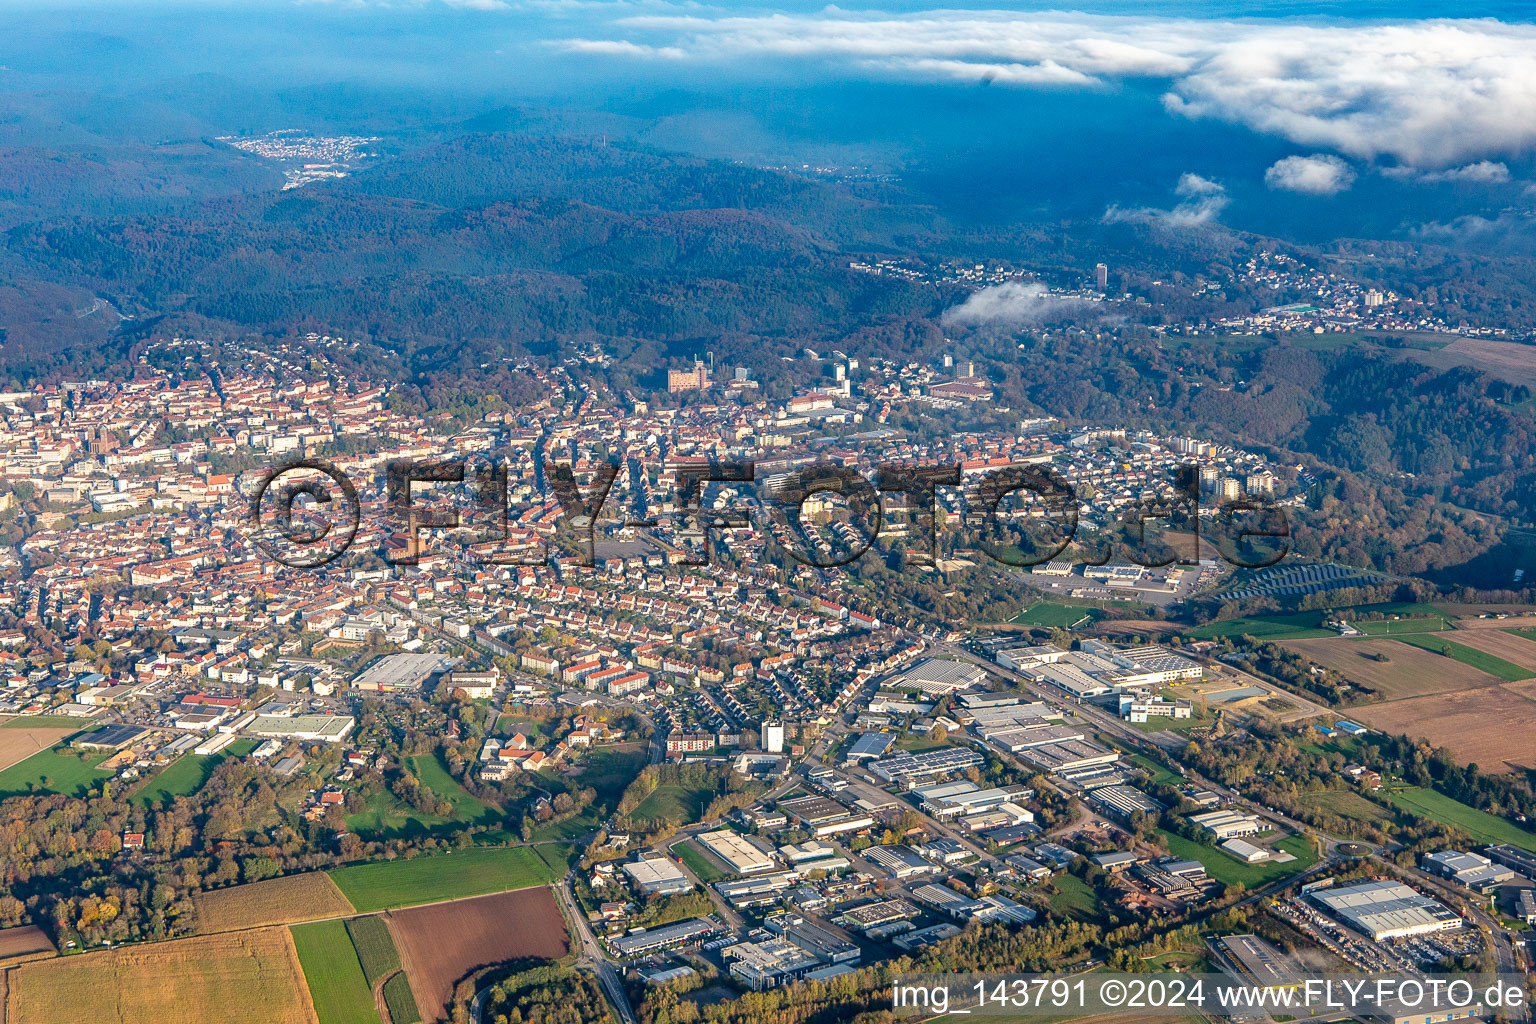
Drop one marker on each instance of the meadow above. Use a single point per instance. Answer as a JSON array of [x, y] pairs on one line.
[[1308, 625], [467, 808], [674, 803], [187, 775], [1073, 898], [1480, 825], [699, 862], [386, 817], [58, 769], [1481, 660], [1348, 804], [335, 976], [1227, 869], [383, 885]]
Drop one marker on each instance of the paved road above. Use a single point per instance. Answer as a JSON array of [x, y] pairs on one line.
[[592, 954]]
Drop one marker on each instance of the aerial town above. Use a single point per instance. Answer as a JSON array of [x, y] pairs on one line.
[[569, 512], [758, 774]]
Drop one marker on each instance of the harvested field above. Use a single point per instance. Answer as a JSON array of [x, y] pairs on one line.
[[250, 977], [1521, 618], [26, 939], [1505, 360], [1491, 726], [17, 744], [1512, 648], [1407, 672], [289, 900], [442, 943]]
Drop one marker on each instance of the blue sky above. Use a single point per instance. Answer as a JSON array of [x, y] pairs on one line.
[[1397, 117]]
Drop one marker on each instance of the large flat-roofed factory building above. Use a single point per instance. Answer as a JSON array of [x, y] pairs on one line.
[[737, 851], [658, 875], [910, 769], [1387, 910], [938, 677], [401, 673]]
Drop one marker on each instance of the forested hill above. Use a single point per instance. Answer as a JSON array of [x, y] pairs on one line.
[[489, 245], [476, 170]]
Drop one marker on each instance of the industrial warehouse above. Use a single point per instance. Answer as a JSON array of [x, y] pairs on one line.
[[738, 852], [1387, 910]]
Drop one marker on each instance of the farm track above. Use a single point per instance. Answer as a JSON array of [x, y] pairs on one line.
[[378, 998]]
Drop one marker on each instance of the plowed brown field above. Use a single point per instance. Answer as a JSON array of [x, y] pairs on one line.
[[442, 943]]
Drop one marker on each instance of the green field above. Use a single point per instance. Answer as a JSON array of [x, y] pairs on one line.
[[699, 862], [607, 771], [1480, 660], [385, 817], [383, 885], [1051, 615], [335, 977], [375, 947], [673, 803], [919, 743], [1073, 898], [187, 775], [55, 770], [400, 1000], [1160, 776], [1394, 627], [1190, 724], [1226, 868], [467, 808], [1480, 825], [1274, 627], [1309, 625], [1350, 805]]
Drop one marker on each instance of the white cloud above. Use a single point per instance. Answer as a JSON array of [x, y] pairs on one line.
[[1191, 184], [1203, 201], [1011, 302], [1318, 175], [621, 48], [1509, 226], [1429, 94], [1487, 172]]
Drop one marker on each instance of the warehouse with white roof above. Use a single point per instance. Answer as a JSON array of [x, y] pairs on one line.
[[1387, 910]]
